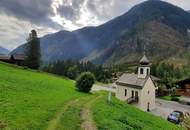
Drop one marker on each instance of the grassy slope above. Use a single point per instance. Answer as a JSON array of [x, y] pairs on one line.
[[29, 100], [120, 116]]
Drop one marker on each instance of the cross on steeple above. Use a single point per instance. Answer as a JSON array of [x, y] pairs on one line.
[[144, 51]]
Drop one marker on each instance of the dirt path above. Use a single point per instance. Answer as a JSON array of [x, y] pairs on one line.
[[86, 115], [56, 120]]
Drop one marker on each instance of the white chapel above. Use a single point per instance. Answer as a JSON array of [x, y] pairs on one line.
[[138, 88]]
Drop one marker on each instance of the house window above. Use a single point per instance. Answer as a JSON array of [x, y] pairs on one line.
[[141, 71], [148, 92], [125, 92]]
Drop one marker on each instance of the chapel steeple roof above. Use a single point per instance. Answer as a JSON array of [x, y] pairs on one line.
[[144, 60]]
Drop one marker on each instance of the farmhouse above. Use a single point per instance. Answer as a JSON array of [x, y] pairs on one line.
[[138, 88], [183, 87], [13, 59]]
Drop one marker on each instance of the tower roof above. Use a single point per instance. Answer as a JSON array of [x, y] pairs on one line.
[[144, 60]]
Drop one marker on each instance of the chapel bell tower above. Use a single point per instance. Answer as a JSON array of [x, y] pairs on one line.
[[144, 67]]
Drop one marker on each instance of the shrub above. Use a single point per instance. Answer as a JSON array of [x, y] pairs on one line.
[[175, 99], [162, 92], [175, 95], [85, 81], [183, 102], [188, 103]]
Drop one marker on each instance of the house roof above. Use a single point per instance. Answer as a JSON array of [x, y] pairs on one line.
[[15, 57], [4, 57], [132, 80], [182, 82], [19, 56]]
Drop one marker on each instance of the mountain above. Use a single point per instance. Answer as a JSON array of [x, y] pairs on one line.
[[157, 26], [3, 50]]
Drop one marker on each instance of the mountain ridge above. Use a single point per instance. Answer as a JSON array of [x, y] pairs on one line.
[[3, 50], [98, 44]]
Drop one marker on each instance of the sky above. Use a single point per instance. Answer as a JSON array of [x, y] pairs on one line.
[[19, 17]]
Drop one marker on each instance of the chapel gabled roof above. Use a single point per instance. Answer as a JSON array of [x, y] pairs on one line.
[[132, 80]]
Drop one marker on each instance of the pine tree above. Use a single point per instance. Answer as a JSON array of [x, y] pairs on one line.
[[33, 51]]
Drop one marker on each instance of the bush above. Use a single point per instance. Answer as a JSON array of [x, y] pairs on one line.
[[85, 81], [162, 91], [184, 102], [175, 95], [175, 99]]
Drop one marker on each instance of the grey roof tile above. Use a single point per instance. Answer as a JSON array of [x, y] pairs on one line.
[[132, 79]]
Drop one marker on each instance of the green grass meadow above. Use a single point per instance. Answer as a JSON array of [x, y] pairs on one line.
[[29, 100], [120, 116]]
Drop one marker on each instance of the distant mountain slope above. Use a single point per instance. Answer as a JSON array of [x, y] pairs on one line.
[[158, 40], [3, 50], [157, 24]]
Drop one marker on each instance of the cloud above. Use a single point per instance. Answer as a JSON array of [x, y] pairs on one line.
[[14, 32], [38, 12], [108, 9], [100, 11], [92, 12], [19, 17], [71, 9], [185, 4]]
